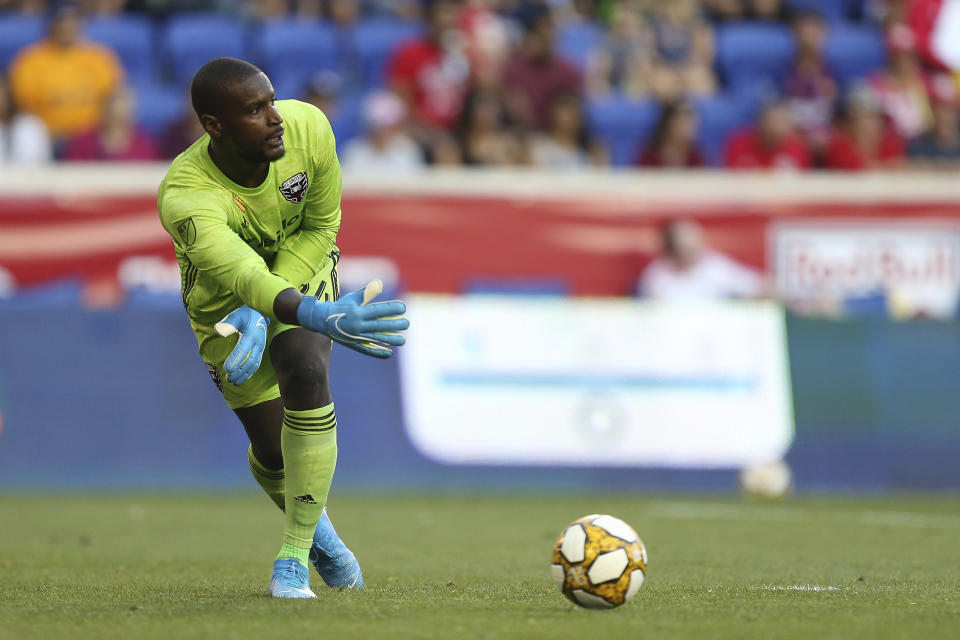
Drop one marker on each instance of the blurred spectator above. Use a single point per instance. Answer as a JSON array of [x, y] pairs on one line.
[[118, 138], [403, 9], [674, 143], [323, 92], [722, 10], [431, 73], [941, 146], [487, 40], [308, 9], [484, 136], [102, 7], [64, 79], [864, 140], [566, 144], [31, 7], [689, 270], [902, 88], [266, 9], [685, 51], [535, 74], [8, 286], [23, 137], [182, 133], [810, 87], [772, 144], [384, 149], [623, 61]]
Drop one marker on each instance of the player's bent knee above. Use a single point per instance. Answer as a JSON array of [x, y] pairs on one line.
[[301, 360], [305, 386]]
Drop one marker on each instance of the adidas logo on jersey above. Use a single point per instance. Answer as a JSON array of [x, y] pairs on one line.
[[306, 499]]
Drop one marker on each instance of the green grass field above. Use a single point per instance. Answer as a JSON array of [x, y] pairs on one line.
[[197, 566]]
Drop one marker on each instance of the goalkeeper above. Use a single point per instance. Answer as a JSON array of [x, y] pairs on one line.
[[253, 208]]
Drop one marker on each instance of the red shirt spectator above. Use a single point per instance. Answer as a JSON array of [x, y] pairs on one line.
[[845, 154], [865, 140], [774, 144], [431, 74], [118, 138], [535, 75], [90, 146]]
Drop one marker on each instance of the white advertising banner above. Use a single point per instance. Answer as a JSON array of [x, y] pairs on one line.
[[916, 264], [510, 380]]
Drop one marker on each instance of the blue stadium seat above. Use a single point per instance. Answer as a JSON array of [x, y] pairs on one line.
[[623, 125], [188, 41], [16, 32], [751, 52], [131, 38], [295, 47], [854, 52], [347, 122], [833, 10], [374, 40], [576, 40], [159, 106], [719, 117]]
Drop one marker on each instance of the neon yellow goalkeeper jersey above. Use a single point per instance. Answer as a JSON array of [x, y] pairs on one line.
[[237, 245]]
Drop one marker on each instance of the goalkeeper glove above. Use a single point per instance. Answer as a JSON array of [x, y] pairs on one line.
[[352, 321], [245, 358]]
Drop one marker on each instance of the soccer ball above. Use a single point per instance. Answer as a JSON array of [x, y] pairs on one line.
[[767, 481], [599, 562]]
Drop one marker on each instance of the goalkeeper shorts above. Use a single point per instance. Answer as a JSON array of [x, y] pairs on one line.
[[262, 385]]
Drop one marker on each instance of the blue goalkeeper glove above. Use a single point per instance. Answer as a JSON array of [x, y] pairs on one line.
[[245, 358], [352, 321]]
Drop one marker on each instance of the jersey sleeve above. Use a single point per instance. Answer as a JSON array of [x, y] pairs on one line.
[[302, 254], [216, 250]]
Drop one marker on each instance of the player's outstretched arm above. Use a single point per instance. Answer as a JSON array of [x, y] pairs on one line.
[[354, 320], [245, 358]]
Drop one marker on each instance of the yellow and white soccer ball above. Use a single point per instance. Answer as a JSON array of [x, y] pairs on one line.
[[599, 562]]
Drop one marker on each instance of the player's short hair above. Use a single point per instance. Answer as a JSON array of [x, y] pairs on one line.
[[214, 79]]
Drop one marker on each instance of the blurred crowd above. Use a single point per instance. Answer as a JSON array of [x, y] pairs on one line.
[[485, 83]]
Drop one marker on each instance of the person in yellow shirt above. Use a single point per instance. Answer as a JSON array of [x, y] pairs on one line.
[[65, 79]]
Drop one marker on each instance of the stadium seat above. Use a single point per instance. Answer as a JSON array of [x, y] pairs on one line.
[[622, 124], [374, 40], [347, 122], [131, 38], [751, 52], [295, 47], [719, 117], [854, 52], [16, 32], [832, 10], [188, 41], [159, 106], [576, 40]]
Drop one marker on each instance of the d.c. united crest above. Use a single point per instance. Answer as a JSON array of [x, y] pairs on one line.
[[295, 187]]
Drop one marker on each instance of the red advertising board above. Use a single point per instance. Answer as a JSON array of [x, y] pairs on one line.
[[596, 243]]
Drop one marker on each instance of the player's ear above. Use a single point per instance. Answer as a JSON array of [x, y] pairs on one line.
[[211, 125]]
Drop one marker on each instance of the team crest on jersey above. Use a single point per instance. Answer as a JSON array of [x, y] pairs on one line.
[[188, 232], [295, 187]]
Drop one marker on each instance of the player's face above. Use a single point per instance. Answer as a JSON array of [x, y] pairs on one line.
[[253, 124]]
